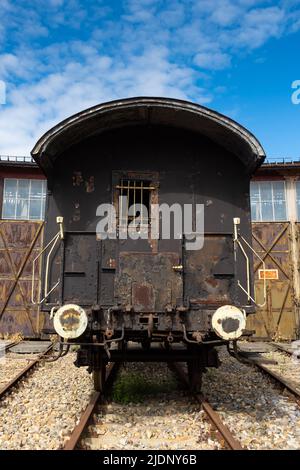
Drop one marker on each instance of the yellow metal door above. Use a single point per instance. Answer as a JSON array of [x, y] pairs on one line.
[[277, 319]]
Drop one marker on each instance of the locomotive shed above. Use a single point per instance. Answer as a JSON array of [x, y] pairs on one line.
[[149, 292]]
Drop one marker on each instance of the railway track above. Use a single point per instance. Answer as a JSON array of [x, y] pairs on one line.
[[294, 389], [274, 370], [223, 434], [286, 349], [23, 372], [86, 416], [264, 418], [8, 346]]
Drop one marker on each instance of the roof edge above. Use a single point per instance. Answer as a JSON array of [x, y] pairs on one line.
[[46, 144]]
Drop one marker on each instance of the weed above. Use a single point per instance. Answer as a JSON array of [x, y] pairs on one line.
[[134, 387]]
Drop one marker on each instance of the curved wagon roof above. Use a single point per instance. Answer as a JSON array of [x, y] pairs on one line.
[[149, 111]]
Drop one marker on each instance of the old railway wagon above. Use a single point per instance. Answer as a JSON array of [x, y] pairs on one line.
[[147, 297]]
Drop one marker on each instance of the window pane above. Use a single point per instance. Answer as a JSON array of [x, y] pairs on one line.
[[266, 191], [43, 208], [44, 187], [36, 189], [10, 187], [280, 211], [35, 209], [254, 212], [279, 200], [266, 211], [255, 206], [266, 200], [8, 211], [23, 189], [22, 209]]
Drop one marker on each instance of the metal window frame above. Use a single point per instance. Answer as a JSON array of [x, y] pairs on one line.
[[16, 199], [259, 203]]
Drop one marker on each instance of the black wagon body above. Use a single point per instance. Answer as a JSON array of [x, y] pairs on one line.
[[152, 291]]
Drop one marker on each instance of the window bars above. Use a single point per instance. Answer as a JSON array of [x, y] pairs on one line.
[[134, 198]]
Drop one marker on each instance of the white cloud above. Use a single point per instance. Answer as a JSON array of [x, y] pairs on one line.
[[138, 47], [174, 15], [17, 66], [34, 108], [140, 11], [212, 60], [226, 13], [56, 3], [259, 25]]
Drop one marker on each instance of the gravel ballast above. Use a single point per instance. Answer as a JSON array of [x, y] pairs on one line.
[[11, 364], [253, 407], [42, 410]]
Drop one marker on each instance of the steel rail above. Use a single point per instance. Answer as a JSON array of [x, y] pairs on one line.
[[295, 390], [212, 415], [7, 387], [11, 345], [283, 348], [85, 418], [215, 419]]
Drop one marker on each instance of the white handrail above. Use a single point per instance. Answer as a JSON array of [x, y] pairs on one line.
[[53, 242], [237, 236]]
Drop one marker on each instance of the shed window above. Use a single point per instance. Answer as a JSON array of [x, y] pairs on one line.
[[24, 199], [268, 201]]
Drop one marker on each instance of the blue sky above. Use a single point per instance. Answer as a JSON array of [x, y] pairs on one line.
[[238, 57]]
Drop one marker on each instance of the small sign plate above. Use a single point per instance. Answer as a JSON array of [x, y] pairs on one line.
[[268, 274]]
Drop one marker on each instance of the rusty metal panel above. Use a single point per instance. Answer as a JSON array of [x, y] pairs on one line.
[[143, 297], [20, 242], [147, 281], [80, 283], [107, 272], [277, 319], [209, 273]]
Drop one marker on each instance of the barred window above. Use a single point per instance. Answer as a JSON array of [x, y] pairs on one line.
[[137, 193], [24, 199], [268, 201]]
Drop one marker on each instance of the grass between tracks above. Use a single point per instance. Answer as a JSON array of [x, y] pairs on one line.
[[134, 387]]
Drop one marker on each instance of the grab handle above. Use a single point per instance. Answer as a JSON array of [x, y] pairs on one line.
[[236, 240], [53, 242]]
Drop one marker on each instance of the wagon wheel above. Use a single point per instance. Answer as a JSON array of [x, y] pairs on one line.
[[195, 371], [99, 372], [99, 376]]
